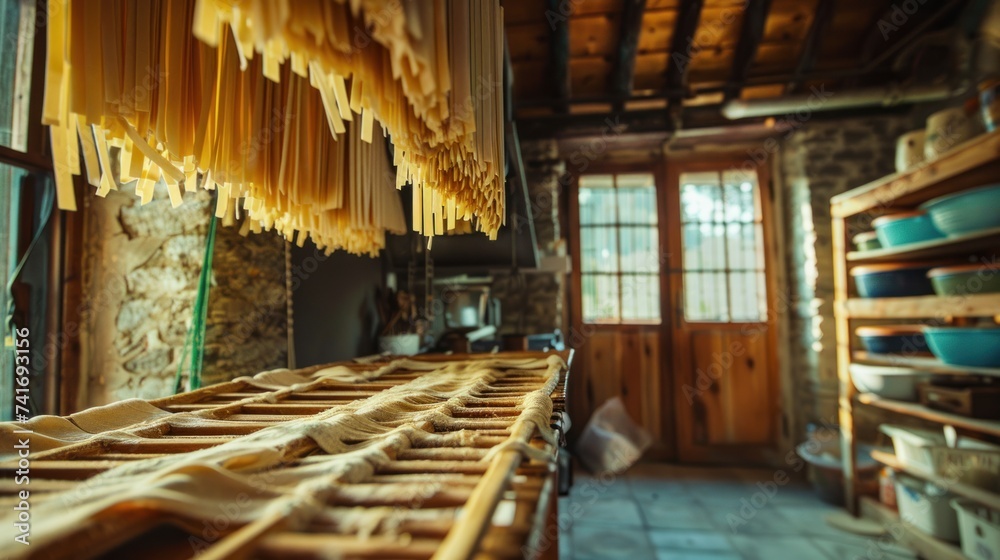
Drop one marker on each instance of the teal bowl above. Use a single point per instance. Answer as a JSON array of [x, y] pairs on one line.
[[867, 241], [965, 346], [966, 212], [964, 280], [896, 230]]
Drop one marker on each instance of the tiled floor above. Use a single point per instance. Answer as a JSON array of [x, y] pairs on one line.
[[695, 513]]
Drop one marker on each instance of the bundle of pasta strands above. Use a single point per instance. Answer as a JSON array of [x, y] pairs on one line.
[[114, 93], [430, 72], [303, 179], [191, 108]]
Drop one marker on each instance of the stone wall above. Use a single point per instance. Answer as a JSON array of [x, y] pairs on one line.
[[534, 303], [141, 267], [247, 330], [817, 162]]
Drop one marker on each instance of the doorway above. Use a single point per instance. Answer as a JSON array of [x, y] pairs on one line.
[[723, 327], [673, 306]]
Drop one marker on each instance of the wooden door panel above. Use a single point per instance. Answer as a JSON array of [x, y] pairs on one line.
[[729, 377], [622, 363], [650, 366]]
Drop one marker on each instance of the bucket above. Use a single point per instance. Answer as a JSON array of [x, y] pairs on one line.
[[826, 470]]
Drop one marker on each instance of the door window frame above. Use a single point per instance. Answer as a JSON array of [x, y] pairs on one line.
[[757, 224], [675, 268], [576, 293]]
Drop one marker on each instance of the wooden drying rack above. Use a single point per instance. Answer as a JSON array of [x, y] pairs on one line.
[[494, 509]]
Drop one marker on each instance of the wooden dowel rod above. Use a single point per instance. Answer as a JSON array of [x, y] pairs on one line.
[[334, 395], [415, 467], [442, 453], [375, 495], [289, 408], [463, 538], [309, 545], [268, 418], [218, 429], [486, 412], [238, 544]]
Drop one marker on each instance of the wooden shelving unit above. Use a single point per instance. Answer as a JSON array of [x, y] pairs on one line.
[[929, 364], [969, 165], [924, 307], [937, 249], [988, 427]]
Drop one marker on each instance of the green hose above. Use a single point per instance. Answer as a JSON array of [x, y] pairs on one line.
[[194, 343]]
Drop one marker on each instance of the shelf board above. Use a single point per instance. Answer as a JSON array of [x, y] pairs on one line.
[[988, 427], [986, 240], [907, 535], [970, 164], [923, 363], [923, 307], [973, 493]]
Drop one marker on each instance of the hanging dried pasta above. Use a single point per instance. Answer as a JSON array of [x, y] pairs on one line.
[[288, 136], [429, 71]]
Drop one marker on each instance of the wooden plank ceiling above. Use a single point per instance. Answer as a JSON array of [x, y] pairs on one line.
[[584, 56]]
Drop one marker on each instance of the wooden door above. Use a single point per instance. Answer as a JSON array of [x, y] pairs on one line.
[[617, 300], [722, 292]]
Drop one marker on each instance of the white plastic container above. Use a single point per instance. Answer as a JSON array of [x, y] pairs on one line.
[[927, 507], [910, 149], [913, 445], [946, 129], [979, 527], [895, 383], [399, 344], [974, 463]]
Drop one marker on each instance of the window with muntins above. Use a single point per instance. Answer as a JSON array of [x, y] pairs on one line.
[[620, 255], [723, 248]]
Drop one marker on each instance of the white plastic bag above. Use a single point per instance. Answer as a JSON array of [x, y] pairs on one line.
[[611, 441]]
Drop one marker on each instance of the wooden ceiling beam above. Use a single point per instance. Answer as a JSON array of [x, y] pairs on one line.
[[751, 33], [558, 52], [810, 47], [681, 53], [628, 45]]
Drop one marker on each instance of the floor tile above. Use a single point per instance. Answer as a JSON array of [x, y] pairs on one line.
[[799, 494], [675, 514], [774, 547], [671, 512], [696, 555], [852, 547], [747, 520], [601, 542], [611, 511], [649, 486], [810, 520], [689, 540], [587, 488], [565, 547]]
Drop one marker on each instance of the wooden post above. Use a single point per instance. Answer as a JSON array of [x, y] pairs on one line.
[[843, 326]]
